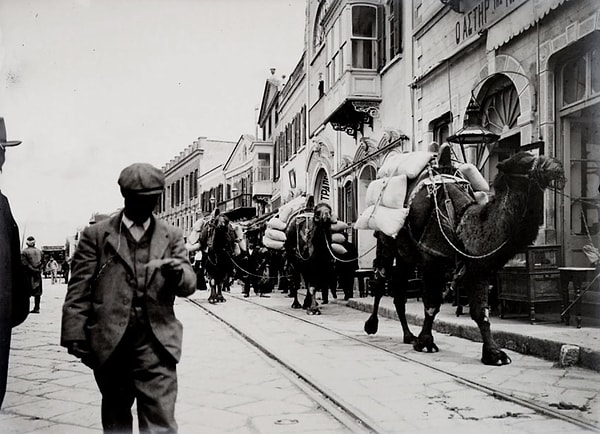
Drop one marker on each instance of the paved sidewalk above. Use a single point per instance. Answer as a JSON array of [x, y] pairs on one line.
[[225, 385], [542, 339]]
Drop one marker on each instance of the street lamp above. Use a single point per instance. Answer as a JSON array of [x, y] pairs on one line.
[[473, 134], [212, 202]]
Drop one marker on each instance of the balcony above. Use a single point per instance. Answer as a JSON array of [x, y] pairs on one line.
[[350, 104], [239, 207]]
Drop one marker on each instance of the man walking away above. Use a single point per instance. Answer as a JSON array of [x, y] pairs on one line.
[[118, 315], [31, 258]]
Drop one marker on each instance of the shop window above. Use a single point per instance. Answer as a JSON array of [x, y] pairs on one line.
[[580, 78], [364, 36], [578, 99]]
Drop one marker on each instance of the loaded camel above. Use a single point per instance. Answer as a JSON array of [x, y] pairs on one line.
[[446, 226], [309, 255], [218, 239]]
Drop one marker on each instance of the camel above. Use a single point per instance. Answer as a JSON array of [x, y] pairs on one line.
[[448, 230], [308, 253], [217, 239]]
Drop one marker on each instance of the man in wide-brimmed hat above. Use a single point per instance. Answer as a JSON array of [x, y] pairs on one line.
[[14, 301], [118, 314]]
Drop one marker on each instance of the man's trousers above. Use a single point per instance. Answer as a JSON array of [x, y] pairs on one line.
[[141, 370]]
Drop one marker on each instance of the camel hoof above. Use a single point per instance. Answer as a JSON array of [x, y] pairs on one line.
[[371, 326], [425, 343], [410, 339], [313, 311], [495, 357]]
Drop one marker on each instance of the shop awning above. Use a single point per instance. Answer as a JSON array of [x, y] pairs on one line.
[[519, 21]]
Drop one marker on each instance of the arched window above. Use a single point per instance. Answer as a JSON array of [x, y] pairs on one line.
[[501, 107]]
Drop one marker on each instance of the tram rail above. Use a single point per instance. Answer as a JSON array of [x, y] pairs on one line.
[[341, 411]]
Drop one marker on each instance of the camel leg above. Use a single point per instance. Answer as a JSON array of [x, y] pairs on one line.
[[479, 309], [294, 285], [220, 297], [212, 298], [433, 281], [377, 286], [311, 299], [400, 299]]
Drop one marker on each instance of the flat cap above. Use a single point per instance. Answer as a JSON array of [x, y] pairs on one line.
[[142, 179], [30, 238]]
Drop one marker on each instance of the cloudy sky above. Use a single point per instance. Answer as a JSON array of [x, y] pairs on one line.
[[91, 86]]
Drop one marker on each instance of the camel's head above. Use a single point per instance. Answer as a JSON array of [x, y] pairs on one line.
[[323, 214], [544, 171]]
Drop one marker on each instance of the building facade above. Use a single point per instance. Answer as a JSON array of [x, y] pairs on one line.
[[531, 67], [185, 198]]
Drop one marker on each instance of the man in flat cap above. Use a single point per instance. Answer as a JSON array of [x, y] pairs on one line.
[[14, 299], [31, 257], [118, 313]]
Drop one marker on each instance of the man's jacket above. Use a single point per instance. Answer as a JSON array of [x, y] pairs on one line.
[[103, 284]]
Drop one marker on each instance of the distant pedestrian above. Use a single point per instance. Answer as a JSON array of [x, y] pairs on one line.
[[118, 315], [31, 258], [14, 298], [345, 266], [64, 269], [199, 270], [52, 269]]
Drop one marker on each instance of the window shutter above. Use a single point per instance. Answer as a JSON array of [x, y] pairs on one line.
[[380, 37]]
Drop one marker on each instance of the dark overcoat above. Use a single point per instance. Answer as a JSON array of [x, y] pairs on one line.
[[14, 298], [102, 285]]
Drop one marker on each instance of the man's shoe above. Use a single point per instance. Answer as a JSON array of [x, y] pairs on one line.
[[246, 295], [35, 311]]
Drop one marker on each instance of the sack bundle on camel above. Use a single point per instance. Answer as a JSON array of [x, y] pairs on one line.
[[275, 234], [387, 204]]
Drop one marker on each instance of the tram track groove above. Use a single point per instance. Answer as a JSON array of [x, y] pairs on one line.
[[355, 423], [490, 391]]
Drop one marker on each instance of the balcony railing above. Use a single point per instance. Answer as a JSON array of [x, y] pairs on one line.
[[240, 201]]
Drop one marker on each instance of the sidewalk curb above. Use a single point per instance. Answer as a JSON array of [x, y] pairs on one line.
[[544, 348]]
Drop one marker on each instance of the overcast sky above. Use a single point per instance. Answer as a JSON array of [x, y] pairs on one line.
[[91, 86]]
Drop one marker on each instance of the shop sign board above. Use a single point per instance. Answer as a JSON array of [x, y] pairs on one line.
[[482, 16]]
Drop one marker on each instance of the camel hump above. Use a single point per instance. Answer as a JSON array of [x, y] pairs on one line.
[[444, 158]]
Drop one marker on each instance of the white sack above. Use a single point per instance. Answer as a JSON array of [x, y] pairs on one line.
[[339, 226], [338, 238], [408, 163], [275, 235], [384, 219], [276, 223], [475, 178], [272, 244], [394, 191], [338, 249]]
